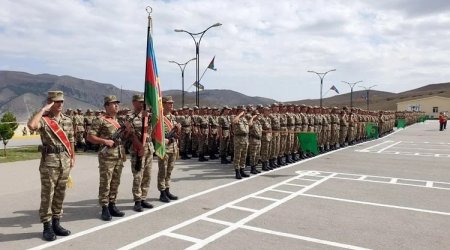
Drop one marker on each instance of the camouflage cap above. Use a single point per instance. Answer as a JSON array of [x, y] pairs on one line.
[[185, 107], [55, 96], [275, 104], [242, 107], [259, 106], [195, 107], [138, 98], [226, 107], [89, 111], [255, 112], [111, 98], [79, 110], [167, 99], [266, 108], [215, 108]]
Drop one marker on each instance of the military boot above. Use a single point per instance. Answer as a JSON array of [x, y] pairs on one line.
[[253, 170], [289, 159], [223, 160], [238, 174], [243, 174], [137, 206], [146, 204], [264, 166], [114, 211], [106, 216], [184, 156], [163, 196], [202, 158], [170, 196], [58, 229], [194, 155], [48, 234], [213, 156]]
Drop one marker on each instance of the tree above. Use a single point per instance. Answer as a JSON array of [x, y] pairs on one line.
[[8, 124]]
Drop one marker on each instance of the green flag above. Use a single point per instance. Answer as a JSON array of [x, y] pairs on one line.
[[308, 142], [372, 130], [401, 123]]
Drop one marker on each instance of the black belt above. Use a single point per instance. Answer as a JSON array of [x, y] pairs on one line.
[[255, 137], [53, 149], [225, 128], [203, 126], [186, 126]]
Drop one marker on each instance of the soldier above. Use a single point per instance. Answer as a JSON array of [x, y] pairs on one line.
[[343, 122], [203, 123], [166, 165], [213, 137], [266, 138], [195, 132], [141, 154], [224, 134], [57, 160], [110, 157], [283, 136], [24, 131], [240, 130], [78, 122], [88, 119], [275, 143], [254, 146], [185, 135]]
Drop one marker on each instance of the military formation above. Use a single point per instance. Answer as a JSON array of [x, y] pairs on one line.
[[261, 138]]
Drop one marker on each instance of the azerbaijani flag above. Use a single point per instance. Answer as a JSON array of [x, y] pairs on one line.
[[152, 96]]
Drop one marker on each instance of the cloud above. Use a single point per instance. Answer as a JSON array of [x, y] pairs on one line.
[[264, 48]]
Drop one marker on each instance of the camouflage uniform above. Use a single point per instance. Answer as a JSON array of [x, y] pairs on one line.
[[110, 161], [343, 122], [185, 135], [141, 178], [275, 143], [54, 167], [167, 164], [265, 139], [241, 130], [254, 147], [203, 123], [224, 124], [212, 137]]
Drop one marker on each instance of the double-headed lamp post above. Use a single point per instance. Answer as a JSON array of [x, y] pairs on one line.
[[197, 56], [182, 67], [321, 75], [367, 93], [351, 85]]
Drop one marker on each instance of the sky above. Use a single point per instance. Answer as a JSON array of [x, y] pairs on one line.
[[263, 48]]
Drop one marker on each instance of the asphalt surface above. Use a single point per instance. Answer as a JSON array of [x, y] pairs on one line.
[[390, 193]]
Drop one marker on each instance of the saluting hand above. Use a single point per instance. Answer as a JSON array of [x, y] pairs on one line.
[[47, 107]]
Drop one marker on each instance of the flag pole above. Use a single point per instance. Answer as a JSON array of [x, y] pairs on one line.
[[145, 118]]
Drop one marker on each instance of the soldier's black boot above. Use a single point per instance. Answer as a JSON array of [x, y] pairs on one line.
[[137, 206], [106, 216], [243, 174], [271, 164], [238, 174], [223, 160], [264, 166], [48, 233], [146, 204], [279, 161], [170, 196], [202, 158], [58, 229], [253, 170], [194, 154], [213, 156], [289, 159], [114, 211], [184, 156], [163, 196]]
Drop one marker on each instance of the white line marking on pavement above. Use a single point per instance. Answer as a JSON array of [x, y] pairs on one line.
[[282, 191], [437, 149], [183, 237], [243, 208], [377, 204], [253, 216], [296, 185], [390, 146], [110, 224], [429, 184], [362, 177], [222, 207], [366, 149], [304, 238], [225, 223], [265, 198]]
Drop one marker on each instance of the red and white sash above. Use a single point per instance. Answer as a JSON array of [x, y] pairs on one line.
[[56, 129]]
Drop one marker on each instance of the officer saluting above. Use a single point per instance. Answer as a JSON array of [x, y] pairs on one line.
[[57, 136]]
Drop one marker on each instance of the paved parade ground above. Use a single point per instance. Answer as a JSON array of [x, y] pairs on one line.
[[390, 193]]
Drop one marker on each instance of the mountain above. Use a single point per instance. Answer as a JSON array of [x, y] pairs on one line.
[[23, 94]]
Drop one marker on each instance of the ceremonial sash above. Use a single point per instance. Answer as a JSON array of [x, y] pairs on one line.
[[168, 124], [112, 121], [56, 129]]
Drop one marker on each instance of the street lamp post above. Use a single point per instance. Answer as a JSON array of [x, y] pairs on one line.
[[182, 67], [321, 75], [351, 85], [197, 56], [367, 93]]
